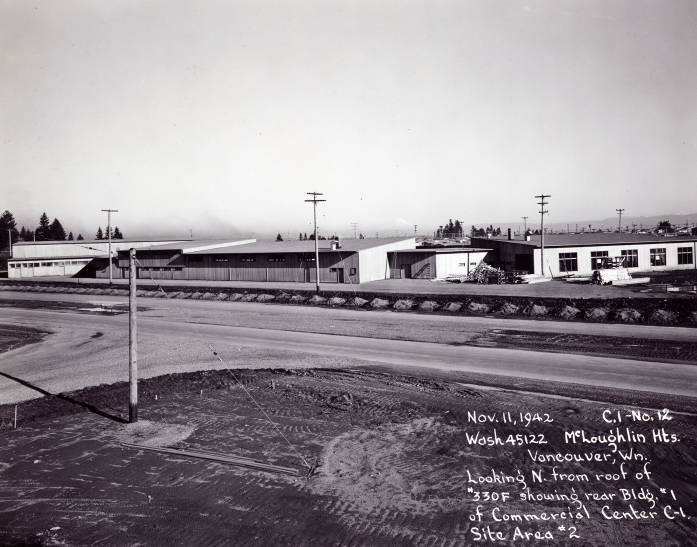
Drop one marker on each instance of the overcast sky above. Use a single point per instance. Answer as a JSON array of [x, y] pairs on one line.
[[221, 115]]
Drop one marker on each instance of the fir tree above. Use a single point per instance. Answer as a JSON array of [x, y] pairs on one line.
[[42, 232], [99, 234], [8, 229], [56, 231], [70, 236], [79, 237], [117, 233], [300, 236], [279, 238]]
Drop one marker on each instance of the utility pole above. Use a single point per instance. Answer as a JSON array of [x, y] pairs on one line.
[[314, 201], [355, 227], [108, 231], [416, 226], [619, 212], [542, 204], [525, 225], [9, 234], [132, 339]]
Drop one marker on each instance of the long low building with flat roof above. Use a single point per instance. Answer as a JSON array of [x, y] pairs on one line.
[[52, 258], [583, 253], [345, 261]]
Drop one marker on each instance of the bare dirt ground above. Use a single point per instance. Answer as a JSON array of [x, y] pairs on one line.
[[391, 451], [12, 337]]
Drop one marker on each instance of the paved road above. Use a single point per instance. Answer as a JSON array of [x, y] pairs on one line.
[[86, 349], [385, 324]]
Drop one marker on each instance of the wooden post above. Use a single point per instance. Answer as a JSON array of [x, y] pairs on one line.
[[132, 339]]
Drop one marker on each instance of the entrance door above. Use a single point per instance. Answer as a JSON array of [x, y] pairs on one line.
[[406, 271], [340, 275], [221, 269]]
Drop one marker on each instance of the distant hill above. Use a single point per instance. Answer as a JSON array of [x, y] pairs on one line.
[[610, 222]]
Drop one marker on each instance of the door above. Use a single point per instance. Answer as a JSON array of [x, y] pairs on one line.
[[406, 271], [340, 275], [221, 269]]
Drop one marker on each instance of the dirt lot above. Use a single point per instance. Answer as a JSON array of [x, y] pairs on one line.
[[392, 453]]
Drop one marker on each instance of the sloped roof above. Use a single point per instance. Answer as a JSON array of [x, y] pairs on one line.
[[304, 246], [592, 239]]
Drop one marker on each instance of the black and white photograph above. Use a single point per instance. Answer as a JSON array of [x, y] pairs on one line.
[[348, 273]]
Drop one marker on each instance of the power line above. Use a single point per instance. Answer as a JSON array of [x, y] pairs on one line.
[[355, 228], [619, 212], [543, 211]]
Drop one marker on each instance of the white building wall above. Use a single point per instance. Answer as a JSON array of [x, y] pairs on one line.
[[372, 263], [551, 256], [26, 268], [31, 259], [457, 263]]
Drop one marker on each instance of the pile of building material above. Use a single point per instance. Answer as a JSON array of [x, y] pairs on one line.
[[484, 273], [616, 276]]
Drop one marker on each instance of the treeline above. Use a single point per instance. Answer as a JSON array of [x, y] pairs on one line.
[[47, 230], [452, 230], [484, 232], [455, 230], [304, 237]]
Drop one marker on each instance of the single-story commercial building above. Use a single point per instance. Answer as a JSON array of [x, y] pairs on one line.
[[434, 263], [566, 254], [345, 261], [50, 258]]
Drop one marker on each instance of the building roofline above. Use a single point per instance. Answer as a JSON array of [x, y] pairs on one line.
[[535, 243]]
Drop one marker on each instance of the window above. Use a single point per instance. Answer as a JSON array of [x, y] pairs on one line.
[[353, 271], [596, 259], [221, 259], [277, 259], [685, 255], [247, 259], [568, 262], [658, 257], [631, 258]]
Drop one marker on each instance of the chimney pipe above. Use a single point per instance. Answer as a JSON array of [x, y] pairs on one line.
[[510, 236]]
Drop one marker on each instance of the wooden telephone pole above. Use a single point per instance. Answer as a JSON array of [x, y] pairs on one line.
[[314, 201], [108, 231], [542, 204], [132, 339], [619, 224]]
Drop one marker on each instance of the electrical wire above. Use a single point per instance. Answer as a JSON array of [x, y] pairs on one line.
[[261, 409]]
